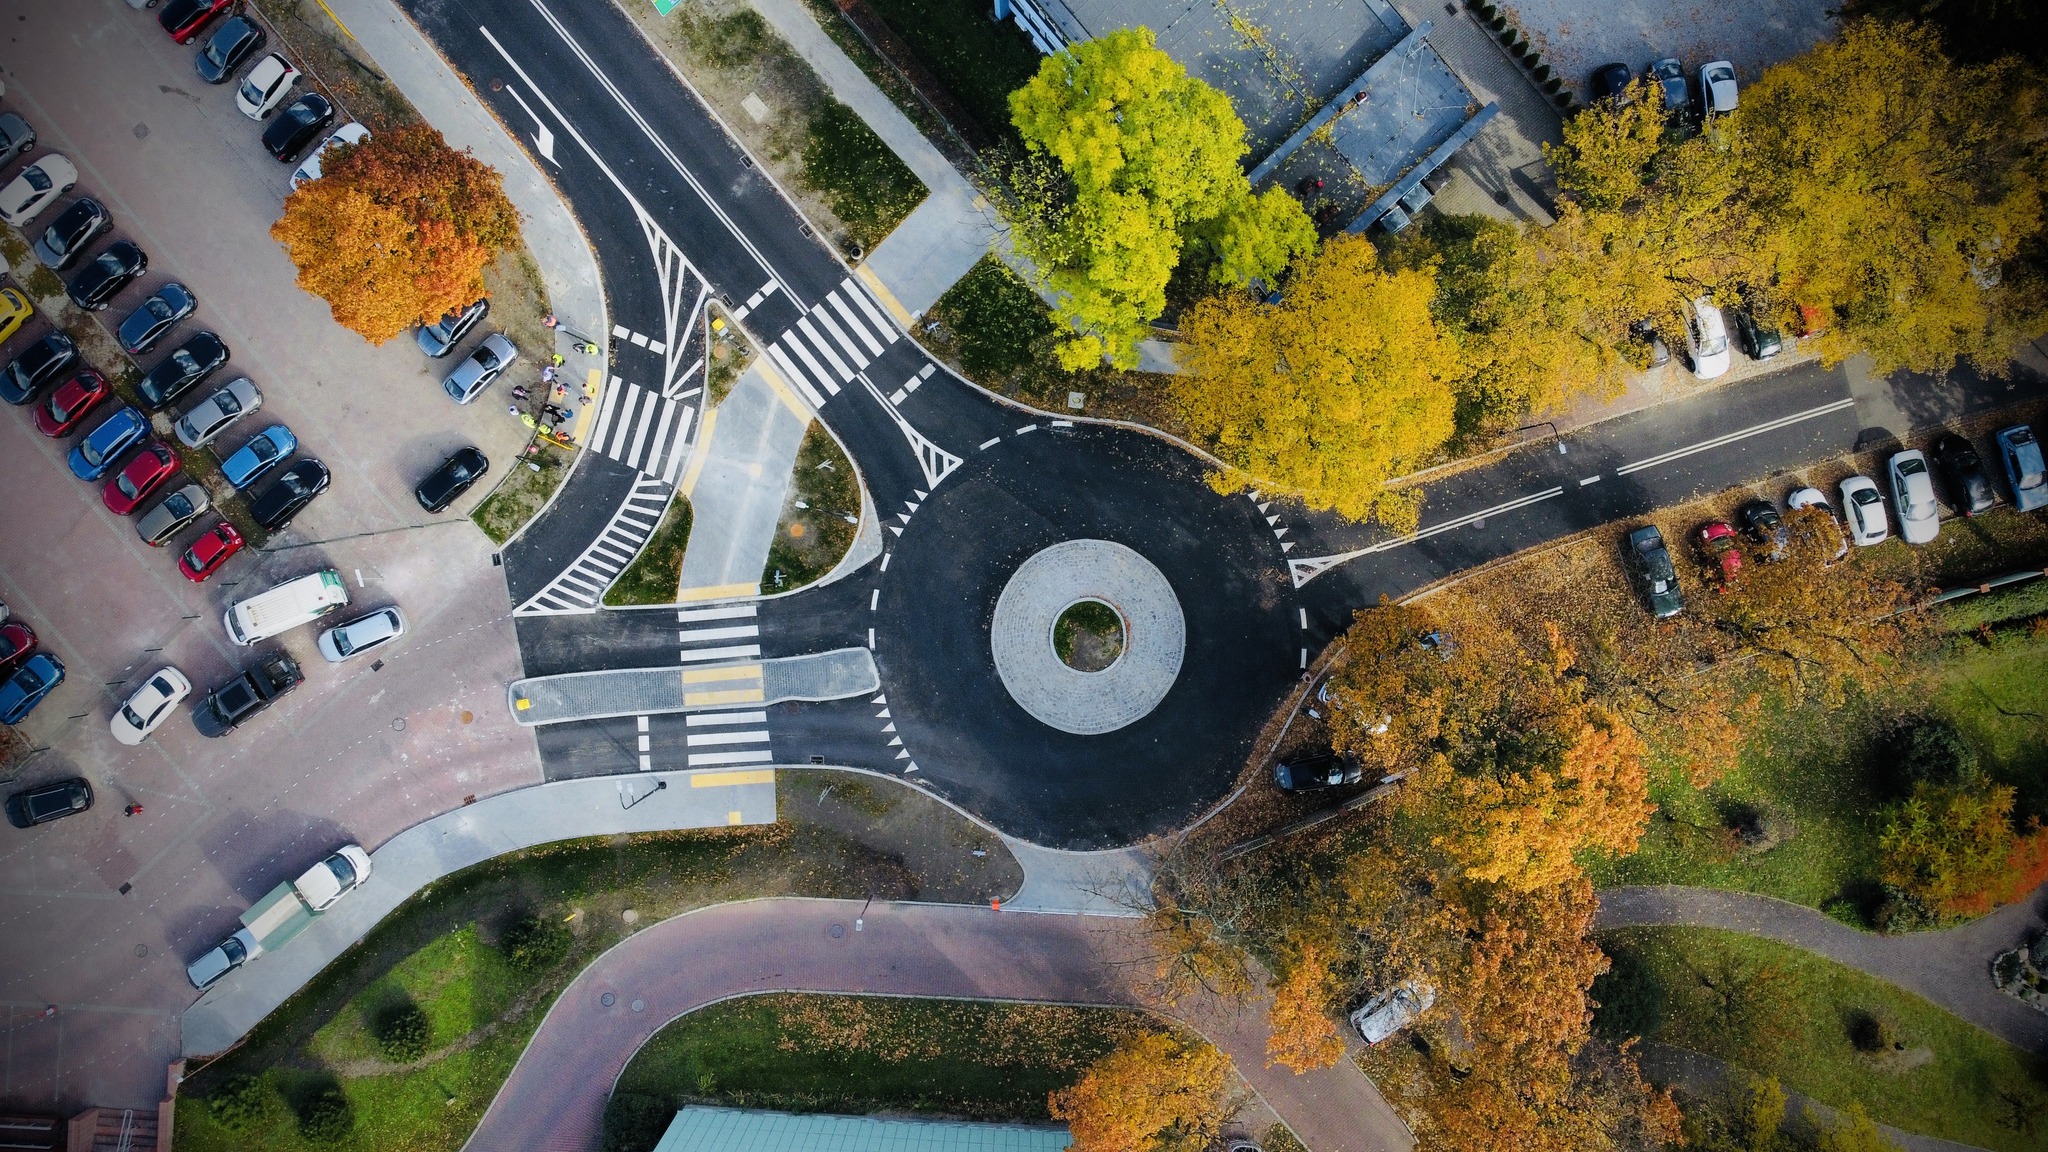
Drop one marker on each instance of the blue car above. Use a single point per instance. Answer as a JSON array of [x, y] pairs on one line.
[[21, 692], [2023, 467], [263, 452], [105, 444]]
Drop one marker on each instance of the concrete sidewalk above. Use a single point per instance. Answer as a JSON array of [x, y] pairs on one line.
[[736, 485], [426, 852]]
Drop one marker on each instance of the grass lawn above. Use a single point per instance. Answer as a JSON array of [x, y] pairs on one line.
[[1787, 1013], [653, 575], [858, 1055], [978, 59], [820, 516], [522, 492], [869, 188]]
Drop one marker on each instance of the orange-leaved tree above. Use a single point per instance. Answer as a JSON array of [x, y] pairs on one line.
[[1301, 1034], [397, 230], [1152, 1093], [1953, 848]]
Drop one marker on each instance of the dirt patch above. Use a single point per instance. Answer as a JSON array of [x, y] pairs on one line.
[[1088, 637], [953, 859]]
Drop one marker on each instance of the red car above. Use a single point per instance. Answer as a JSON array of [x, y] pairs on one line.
[[210, 551], [184, 18], [17, 640], [143, 475], [1720, 547], [70, 403]]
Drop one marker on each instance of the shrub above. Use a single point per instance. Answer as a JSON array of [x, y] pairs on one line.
[[1947, 846], [534, 944], [1541, 73], [402, 1032], [240, 1103], [327, 1117], [995, 317], [1932, 752], [1552, 87]]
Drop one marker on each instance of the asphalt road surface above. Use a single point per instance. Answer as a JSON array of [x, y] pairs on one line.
[[969, 486]]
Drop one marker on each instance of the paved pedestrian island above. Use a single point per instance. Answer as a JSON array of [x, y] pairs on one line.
[[597, 695]]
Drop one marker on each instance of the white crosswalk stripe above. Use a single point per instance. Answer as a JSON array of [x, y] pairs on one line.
[[580, 585], [830, 345], [643, 430]]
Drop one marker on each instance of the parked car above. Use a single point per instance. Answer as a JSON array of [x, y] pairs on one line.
[[27, 686], [1671, 84], [440, 338], [1913, 494], [16, 137], [1759, 338], [36, 188], [1827, 529], [480, 368], [139, 479], [36, 367], [1706, 339], [1761, 523], [72, 402], [309, 171], [456, 474], [1863, 507], [149, 706], [1969, 485], [229, 706], [1611, 81], [2021, 454], [184, 18], [266, 86], [1646, 335], [17, 640], [200, 356], [264, 451], [222, 959], [213, 415], [1717, 88], [153, 319], [92, 456], [1649, 562], [296, 126], [14, 312], [1310, 773], [1392, 1010], [103, 276], [70, 233], [213, 548], [172, 515], [233, 42], [361, 634], [289, 494], [1719, 548], [32, 806]]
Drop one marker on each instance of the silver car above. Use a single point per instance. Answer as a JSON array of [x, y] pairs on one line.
[[172, 515], [355, 637], [480, 368], [36, 188], [212, 416]]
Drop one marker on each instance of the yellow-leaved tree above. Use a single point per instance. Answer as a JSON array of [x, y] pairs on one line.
[[1341, 386], [1152, 1093]]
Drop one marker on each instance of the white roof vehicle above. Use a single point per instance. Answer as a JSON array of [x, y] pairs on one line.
[[150, 705], [309, 168], [331, 879], [1717, 88], [1913, 492], [1863, 507], [1802, 499], [1706, 339], [1392, 1010], [361, 634], [266, 86], [36, 188]]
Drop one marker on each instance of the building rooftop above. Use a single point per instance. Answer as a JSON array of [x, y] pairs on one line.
[[701, 1129]]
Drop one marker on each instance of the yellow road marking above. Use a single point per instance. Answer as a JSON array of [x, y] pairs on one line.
[[698, 456], [588, 414], [728, 696], [722, 779], [883, 294], [782, 391], [724, 672], [719, 592]]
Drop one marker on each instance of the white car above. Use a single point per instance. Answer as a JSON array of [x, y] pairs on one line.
[[358, 636], [150, 705], [210, 417], [1392, 1010], [1717, 88], [1863, 508], [1706, 339], [1913, 492], [36, 188], [266, 86], [1804, 498], [335, 877], [309, 168]]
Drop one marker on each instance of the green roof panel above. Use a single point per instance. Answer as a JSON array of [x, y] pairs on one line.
[[700, 1129]]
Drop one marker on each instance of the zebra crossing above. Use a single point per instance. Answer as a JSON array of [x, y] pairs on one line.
[[579, 586], [643, 430], [719, 737], [829, 345]]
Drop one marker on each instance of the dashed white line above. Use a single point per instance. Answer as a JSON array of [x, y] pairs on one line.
[[991, 442], [871, 639], [874, 599], [885, 560], [1589, 480], [1027, 428]]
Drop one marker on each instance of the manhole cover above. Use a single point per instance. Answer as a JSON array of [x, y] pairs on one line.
[[142, 949], [141, 131], [836, 931], [639, 1005], [467, 716], [497, 85], [607, 999], [630, 916], [398, 725]]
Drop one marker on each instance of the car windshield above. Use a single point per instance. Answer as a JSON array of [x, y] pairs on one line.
[[91, 452], [128, 714], [1911, 467], [342, 643], [1864, 496], [263, 448], [36, 179], [343, 871], [27, 681], [233, 950], [178, 506], [127, 486]]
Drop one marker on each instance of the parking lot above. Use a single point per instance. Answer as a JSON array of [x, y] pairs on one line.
[[1576, 38], [104, 909]]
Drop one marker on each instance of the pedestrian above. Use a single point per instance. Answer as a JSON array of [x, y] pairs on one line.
[[558, 360], [133, 810], [512, 408], [549, 321], [519, 392], [547, 374], [561, 390]]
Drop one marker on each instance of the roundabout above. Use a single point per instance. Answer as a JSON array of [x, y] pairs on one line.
[[1122, 626]]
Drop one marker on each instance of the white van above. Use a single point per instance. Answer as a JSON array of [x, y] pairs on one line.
[[290, 605]]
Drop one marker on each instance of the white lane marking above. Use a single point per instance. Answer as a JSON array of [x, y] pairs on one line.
[[639, 339], [730, 632], [796, 377], [646, 422], [874, 599], [991, 442], [729, 652], [1304, 657], [1027, 428], [871, 639], [707, 719], [619, 330], [853, 324], [705, 759], [825, 348], [1063, 423], [1304, 619], [1589, 480], [817, 372], [721, 612], [577, 587], [543, 136], [707, 739], [641, 722], [868, 309], [1732, 437], [854, 355]]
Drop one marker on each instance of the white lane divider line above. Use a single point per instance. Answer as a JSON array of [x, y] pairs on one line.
[[1589, 480], [991, 442], [1733, 437], [723, 652]]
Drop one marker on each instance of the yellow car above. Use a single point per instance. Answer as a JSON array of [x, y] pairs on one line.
[[14, 311]]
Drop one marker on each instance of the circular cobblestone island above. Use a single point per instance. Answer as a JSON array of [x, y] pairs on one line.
[[1088, 636]]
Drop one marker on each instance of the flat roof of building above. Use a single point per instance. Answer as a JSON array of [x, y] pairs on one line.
[[701, 1129]]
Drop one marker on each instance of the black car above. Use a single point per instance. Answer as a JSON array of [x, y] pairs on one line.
[[1669, 75], [174, 375], [1760, 519], [296, 126], [155, 317], [16, 137], [1328, 770], [289, 493], [1759, 338], [451, 479], [33, 806], [440, 338], [1611, 81], [1649, 562], [106, 274], [1969, 485], [70, 232], [38, 365], [230, 44], [230, 705]]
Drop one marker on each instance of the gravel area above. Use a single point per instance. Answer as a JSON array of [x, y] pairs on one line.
[[1088, 703], [1576, 38]]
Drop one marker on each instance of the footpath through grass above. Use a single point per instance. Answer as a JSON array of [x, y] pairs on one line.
[[857, 1055], [1825, 1030]]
